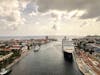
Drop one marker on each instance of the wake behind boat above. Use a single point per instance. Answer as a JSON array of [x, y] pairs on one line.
[[68, 48], [5, 71]]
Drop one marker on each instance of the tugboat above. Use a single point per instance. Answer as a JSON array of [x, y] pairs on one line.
[[5, 71], [68, 48]]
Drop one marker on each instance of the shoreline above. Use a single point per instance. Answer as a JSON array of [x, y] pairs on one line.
[[18, 59]]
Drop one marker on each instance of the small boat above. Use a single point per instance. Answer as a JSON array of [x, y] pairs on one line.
[[36, 48], [5, 71]]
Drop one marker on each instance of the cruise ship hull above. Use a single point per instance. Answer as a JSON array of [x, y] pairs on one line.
[[68, 56]]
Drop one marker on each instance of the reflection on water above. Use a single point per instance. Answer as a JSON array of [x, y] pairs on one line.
[[49, 60]]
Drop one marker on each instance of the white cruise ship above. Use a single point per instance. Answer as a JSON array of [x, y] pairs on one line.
[[68, 48]]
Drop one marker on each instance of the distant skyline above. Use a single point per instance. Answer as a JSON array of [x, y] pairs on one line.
[[49, 17]]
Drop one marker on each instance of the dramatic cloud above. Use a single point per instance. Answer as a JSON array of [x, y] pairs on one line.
[[97, 19], [91, 6], [10, 15], [49, 16]]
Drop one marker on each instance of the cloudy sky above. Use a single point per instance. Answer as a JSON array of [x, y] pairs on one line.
[[49, 17]]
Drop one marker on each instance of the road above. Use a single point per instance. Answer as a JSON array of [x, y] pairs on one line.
[[49, 60]]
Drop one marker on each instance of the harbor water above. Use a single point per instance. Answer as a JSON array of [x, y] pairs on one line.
[[49, 60]]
